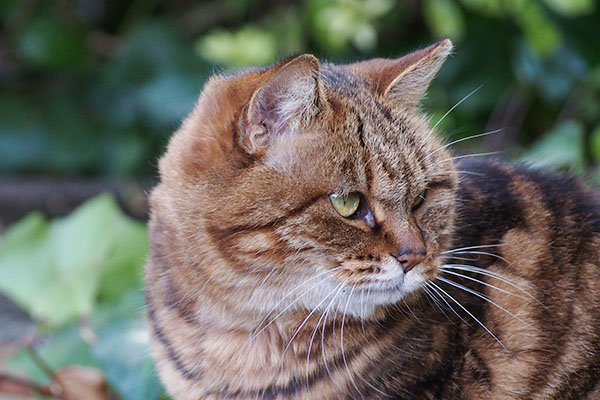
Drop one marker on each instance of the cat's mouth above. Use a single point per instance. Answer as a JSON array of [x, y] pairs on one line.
[[386, 276]]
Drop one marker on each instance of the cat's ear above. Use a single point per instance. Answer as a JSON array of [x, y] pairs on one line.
[[405, 80], [288, 101]]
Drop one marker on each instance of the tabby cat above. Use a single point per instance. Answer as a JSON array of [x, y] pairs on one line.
[[311, 238]]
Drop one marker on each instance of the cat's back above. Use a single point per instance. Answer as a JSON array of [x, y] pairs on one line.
[[536, 237], [496, 199]]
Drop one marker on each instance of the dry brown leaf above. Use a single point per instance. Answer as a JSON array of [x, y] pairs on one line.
[[80, 383]]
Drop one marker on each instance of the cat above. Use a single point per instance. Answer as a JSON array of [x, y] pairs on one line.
[[311, 238]]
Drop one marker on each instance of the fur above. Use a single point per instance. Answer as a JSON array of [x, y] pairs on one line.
[[258, 289]]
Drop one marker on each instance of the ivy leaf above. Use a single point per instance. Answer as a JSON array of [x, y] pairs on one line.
[[562, 147], [130, 370], [444, 18], [56, 270], [48, 43], [571, 8]]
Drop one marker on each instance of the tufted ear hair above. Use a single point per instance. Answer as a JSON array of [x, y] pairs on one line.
[[287, 102], [404, 80]]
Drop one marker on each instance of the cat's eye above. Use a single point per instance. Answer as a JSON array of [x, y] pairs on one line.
[[345, 204], [418, 201]]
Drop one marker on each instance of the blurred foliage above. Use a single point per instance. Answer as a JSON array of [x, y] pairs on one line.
[[95, 87], [70, 263], [80, 278]]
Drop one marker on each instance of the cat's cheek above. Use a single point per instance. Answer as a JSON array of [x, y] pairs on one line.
[[416, 279]]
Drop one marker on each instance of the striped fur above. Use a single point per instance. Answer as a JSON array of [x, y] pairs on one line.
[[258, 289]]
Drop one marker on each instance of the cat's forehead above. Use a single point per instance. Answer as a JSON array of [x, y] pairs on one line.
[[384, 144]]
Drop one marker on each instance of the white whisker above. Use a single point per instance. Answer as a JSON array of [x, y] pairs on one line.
[[481, 296], [312, 338], [291, 304], [410, 310], [483, 253], [457, 104], [342, 344], [431, 295], [305, 321], [483, 283], [482, 271], [500, 277], [462, 140], [323, 340], [472, 316], [488, 153], [471, 247], [448, 304]]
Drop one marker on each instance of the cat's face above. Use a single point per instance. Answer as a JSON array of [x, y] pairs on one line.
[[320, 185]]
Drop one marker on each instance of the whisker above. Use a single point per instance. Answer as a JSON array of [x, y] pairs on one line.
[[339, 289], [481, 296], [498, 276], [448, 304], [374, 388], [470, 173], [327, 310], [264, 281], [458, 104], [410, 310], [483, 253], [487, 153], [342, 344], [472, 316], [431, 295], [305, 321], [462, 140], [483, 283], [472, 247], [482, 271], [254, 335], [453, 257]]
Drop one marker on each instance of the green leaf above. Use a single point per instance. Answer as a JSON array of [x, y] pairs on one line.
[[487, 7], [248, 46], [123, 270], [49, 43], [120, 349], [64, 347], [572, 8], [541, 33], [444, 18], [130, 370], [57, 270], [562, 147]]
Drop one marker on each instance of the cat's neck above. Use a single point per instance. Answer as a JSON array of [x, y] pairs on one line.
[[323, 348]]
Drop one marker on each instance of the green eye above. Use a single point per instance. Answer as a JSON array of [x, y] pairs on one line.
[[345, 205], [418, 201]]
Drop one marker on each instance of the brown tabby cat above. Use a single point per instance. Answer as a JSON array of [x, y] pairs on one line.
[[312, 239]]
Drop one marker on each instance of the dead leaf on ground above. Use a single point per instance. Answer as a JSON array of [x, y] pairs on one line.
[[79, 382]]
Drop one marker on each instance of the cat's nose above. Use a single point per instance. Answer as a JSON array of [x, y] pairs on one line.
[[409, 258]]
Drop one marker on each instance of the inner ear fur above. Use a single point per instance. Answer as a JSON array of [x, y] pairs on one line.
[[286, 102], [243, 102], [404, 80]]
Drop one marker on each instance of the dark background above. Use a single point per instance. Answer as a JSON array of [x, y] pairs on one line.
[[92, 89]]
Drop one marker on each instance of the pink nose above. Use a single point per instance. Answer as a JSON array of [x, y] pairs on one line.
[[409, 258]]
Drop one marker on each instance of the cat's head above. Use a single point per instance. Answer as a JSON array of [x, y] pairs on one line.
[[314, 182]]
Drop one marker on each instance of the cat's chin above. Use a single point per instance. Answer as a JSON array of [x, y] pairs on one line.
[[361, 301]]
